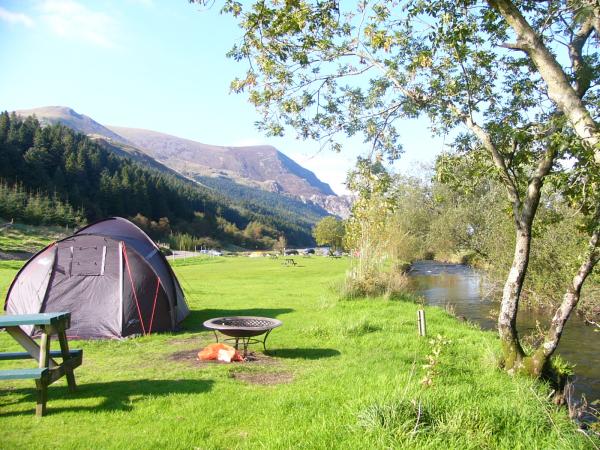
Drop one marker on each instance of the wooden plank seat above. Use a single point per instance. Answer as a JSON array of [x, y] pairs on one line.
[[36, 373], [53, 354], [60, 320]]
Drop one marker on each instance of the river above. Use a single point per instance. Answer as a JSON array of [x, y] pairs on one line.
[[458, 285]]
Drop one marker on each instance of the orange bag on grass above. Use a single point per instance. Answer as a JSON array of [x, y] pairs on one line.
[[219, 352]]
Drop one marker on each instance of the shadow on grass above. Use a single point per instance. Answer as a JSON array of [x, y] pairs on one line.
[[115, 395], [303, 353], [194, 321]]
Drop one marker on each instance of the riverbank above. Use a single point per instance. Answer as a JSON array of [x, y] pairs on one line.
[[339, 374], [464, 291], [544, 299], [588, 308]]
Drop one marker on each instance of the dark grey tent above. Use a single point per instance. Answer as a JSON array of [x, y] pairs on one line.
[[112, 278]]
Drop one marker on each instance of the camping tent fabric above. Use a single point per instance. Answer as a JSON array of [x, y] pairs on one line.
[[109, 275]]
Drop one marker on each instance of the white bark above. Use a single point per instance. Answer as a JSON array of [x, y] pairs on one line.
[[511, 294], [571, 297], [524, 213], [560, 90]]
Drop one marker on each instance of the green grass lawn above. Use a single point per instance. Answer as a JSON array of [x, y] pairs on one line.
[[29, 238], [339, 375]]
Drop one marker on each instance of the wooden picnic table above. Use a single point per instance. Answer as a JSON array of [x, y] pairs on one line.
[[289, 262], [48, 370]]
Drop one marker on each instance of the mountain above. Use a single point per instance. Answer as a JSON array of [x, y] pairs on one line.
[[254, 167], [262, 164], [50, 115], [51, 174]]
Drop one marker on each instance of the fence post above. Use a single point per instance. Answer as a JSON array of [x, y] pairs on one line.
[[421, 322]]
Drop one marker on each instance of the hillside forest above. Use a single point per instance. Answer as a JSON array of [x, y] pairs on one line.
[[53, 175]]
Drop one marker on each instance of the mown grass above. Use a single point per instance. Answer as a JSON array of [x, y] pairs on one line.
[[351, 375]]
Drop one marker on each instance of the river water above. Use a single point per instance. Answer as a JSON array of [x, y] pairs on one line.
[[458, 285]]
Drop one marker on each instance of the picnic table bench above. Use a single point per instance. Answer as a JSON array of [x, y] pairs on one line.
[[289, 262], [48, 370]]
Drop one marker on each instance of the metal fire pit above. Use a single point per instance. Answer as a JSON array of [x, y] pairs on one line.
[[243, 328]]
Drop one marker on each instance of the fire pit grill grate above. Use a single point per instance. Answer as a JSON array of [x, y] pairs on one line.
[[249, 323], [243, 328]]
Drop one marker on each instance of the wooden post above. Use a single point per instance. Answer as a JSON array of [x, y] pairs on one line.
[[421, 322], [41, 388], [64, 348], [42, 385]]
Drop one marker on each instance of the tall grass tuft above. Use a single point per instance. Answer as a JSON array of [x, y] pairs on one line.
[[392, 285], [402, 417]]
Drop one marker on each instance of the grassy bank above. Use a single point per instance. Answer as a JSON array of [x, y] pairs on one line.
[[346, 375], [19, 238]]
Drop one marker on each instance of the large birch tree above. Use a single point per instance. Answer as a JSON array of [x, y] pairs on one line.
[[516, 79]]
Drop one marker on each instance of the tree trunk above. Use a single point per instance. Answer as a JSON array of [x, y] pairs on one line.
[[541, 356], [512, 351], [524, 213], [560, 90]]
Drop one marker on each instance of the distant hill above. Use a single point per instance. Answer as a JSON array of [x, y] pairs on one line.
[[261, 163], [50, 115], [42, 166], [260, 167]]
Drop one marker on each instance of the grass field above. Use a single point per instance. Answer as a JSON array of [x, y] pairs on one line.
[[20, 238], [339, 375]]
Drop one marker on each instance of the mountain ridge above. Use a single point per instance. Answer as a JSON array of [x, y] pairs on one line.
[[260, 163], [69, 117], [259, 166]]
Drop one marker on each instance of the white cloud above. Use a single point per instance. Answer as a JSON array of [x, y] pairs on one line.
[[15, 17], [70, 19]]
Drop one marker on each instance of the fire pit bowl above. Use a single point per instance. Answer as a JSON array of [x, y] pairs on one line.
[[243, 328]]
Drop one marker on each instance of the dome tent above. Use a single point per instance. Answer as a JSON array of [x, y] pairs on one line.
[[112, 278]]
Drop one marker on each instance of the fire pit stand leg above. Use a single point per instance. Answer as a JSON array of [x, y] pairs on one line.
[[245, 341], [264, 342]]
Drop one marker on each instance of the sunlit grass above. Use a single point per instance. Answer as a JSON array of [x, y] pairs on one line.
[[342, 374], [28, 238]]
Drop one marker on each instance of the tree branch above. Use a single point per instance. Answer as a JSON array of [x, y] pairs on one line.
[[534, 187], [486, 140], [559, 89], [572, 295], [582, 82], [515, 46]]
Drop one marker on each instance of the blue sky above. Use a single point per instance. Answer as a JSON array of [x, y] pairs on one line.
[[153, 64]]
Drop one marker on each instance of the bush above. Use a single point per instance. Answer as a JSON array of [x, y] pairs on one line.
[[165, 251], [391, 285]]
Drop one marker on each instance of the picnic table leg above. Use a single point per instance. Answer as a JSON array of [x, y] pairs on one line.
[[42, 384], [29, 344], [64, 348], [42, 396]]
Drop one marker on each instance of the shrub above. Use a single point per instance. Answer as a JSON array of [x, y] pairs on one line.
[[389, 284]]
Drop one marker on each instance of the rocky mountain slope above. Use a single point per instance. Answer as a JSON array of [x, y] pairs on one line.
[[262, 167]]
